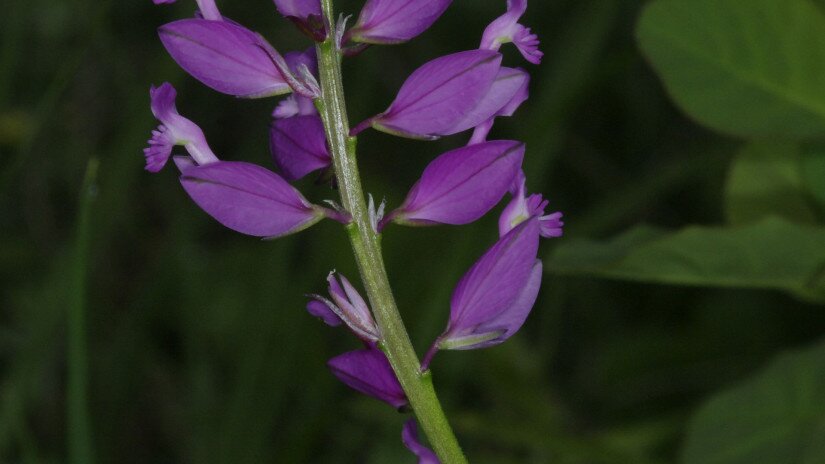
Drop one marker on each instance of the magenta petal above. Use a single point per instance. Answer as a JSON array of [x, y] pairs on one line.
[[481, 305], [308, 58], [173, 130], [409, 436], [306, 14], [249, 199], [299, 146], [224, 56], [322, 311], [506, 94], [298, 8], [462, 185], [506, 28], [551, 225], [352, 309], [515, 83], [506, 323], [439, 95], [369, 372], [396, 21]]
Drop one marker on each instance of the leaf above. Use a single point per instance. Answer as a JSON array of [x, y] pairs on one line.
[[766, 179], [744, 67], [813, 171], [772, 254], [775, 417]]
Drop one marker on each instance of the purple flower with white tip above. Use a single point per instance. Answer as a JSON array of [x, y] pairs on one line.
[[506, 28], [250, 199], [225, 57], [369, 372], [409, 436], [347, 306], [207, 8], [395, 21], [173, 130], [440, 97], [492, 300], [306, 15], [523, 207], [461, 185]]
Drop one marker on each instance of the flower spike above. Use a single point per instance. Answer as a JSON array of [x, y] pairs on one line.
[[461, 185], [224, 56], [395, 21], [506, 28], [173, 130], [369, 372], [409, 436]]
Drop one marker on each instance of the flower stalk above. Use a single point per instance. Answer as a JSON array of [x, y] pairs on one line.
[[366, 246]]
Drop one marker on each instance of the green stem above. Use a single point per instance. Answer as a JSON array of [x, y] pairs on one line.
[[77, 389], [367, 248]]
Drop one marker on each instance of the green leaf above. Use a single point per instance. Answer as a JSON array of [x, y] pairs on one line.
[[776, 417], [772, 254], [744, 67], [813, 171], [766, 179]]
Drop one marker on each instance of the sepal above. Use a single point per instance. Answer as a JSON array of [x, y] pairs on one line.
[[368, 371], [395, 21], [249, 199], [224, 56], [461, 185]]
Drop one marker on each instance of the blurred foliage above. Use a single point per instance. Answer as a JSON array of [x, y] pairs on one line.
[[712, 246]]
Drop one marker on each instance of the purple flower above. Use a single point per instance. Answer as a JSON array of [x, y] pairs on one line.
[[512, 88], [506, 28], [306, 14], [523, 207], [409, 436], [250, 199], [492, 300], [321, 310], [207, 8], [299, 8], [369, 372], [297, 139], [346, 306], [461, 185], [224, 56], [173, 130], [440, 97], [294, 105], [299, 146], [396, 21]]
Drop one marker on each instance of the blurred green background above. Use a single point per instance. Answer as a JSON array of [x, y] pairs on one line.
[[681, 316]]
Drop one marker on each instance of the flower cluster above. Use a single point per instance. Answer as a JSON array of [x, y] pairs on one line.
[[459, 92]]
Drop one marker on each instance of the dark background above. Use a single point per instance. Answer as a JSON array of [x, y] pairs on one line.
[[199, 347]]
